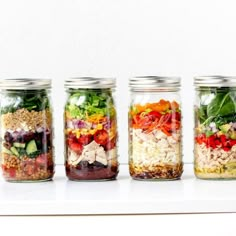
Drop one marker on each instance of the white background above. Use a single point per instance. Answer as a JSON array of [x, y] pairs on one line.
[[63, 38]]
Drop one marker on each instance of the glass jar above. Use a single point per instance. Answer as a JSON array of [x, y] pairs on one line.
[[90, 129], [215, 127], [155, 149], [26, 130]]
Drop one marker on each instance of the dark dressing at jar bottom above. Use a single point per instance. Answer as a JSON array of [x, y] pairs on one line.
[[95, 171]]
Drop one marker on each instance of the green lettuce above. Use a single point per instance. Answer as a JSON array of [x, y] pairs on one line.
[[89, 102]]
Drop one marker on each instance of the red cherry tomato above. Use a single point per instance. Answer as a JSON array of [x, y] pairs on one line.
[[85, 139], [71, 139], [76, 147], [101, 137]]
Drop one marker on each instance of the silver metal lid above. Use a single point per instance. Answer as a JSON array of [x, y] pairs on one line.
[[25, 84], [215, 81], [154, 82], [90, 82]]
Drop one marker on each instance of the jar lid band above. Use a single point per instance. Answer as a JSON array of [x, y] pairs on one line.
[[152, 82], [215, 81], [25, 84], [90, 82]]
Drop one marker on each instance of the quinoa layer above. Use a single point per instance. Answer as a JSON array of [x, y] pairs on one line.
[[27, 120]]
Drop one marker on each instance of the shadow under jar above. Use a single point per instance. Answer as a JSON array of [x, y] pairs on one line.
[[215, 127], [155, 147], [26, 130], [90, 129]]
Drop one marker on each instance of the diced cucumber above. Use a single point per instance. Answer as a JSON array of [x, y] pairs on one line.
[[14, 151], [7, 151], [225, 128], [19, 145], [31, 147]]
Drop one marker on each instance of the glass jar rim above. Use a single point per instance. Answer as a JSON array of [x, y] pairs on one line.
[[215, 81], [90, 83], [25, 84]]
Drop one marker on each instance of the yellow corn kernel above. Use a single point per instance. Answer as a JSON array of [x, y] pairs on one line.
[[99, 127], [84, 131], [77, 134], [92, 131]]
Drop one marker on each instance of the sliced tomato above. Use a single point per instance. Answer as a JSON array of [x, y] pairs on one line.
[[217, 143], [71, 138], [211, 141], [154, 115], [223, 140], [76, 147], [101, 137], [201, 139], [85, 139]]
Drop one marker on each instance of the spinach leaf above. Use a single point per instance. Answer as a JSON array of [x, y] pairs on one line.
[[29, 99], [221, 105], [221, 120], [202, 113]]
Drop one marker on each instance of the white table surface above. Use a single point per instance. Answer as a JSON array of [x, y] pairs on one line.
[[122, 196]]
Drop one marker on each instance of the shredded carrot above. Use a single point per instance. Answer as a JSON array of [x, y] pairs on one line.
[[96, 118], [160, 106]]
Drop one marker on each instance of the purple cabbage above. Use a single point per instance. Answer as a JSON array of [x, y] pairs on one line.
[[79, 124]]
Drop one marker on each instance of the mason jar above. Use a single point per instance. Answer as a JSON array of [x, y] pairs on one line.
[[215, 127], [26, 130], [155, 145], [90, 129]]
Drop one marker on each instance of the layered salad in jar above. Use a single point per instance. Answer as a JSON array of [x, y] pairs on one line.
[[91, 135], [155, 140], [215, 134], [26, 128]]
